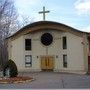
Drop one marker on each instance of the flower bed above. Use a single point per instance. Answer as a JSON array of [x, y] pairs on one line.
[[18, 79]]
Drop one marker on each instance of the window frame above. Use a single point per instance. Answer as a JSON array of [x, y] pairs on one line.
[[28, 47], [28, 63], [65, 60], [64, 42]]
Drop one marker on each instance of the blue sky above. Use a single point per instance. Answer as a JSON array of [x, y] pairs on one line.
[[75, 13]]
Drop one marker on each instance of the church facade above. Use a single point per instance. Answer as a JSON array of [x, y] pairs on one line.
[[47, 45]]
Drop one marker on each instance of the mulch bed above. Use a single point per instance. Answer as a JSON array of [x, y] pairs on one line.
[[18, 79]]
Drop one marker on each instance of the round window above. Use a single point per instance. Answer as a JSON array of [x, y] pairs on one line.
[[46, 39]]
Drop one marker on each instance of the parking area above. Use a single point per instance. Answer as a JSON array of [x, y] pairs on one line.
[[52, 80]]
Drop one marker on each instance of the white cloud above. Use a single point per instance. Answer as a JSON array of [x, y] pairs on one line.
[[82, 6]]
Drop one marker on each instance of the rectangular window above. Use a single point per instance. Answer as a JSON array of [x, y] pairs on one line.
[[28, 60], [64, 42], [27, 44], [65, 61]]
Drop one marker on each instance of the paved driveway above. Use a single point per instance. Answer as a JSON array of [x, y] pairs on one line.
[[52, 80]]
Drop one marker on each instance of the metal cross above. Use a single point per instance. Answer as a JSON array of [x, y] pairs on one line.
[[43, 12]]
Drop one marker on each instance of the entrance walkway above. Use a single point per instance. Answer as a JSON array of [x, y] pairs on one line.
[[52, 80]]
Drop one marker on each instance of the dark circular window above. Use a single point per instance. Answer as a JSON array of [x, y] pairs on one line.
[[46, 39]]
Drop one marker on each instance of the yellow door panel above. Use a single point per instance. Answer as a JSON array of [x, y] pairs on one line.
[[47, 62], [43, 63], [50, 63]]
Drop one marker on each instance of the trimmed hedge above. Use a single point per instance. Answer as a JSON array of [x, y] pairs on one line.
[[12, 67]]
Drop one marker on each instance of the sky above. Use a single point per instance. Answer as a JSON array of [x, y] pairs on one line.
[[74, 13]]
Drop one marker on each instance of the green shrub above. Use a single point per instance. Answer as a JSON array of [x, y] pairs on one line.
[[12, 68]]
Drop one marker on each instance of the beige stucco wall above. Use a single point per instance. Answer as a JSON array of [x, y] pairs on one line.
[[74, 51], [17, 50]]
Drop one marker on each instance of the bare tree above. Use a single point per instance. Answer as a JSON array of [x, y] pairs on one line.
[[9, 24], [8, 19], [25, 21]]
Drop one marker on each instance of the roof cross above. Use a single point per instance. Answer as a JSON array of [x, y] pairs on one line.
[[43, 12]]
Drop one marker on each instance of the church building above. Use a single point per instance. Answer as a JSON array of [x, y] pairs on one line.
[[50, 46], [47, 45]]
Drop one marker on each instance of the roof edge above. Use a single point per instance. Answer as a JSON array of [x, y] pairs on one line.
[[44, 22]]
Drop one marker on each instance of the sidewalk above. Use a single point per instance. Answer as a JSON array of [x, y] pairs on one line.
[[52, 80]]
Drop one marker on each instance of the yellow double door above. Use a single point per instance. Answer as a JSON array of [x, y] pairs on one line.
[[47, 63]]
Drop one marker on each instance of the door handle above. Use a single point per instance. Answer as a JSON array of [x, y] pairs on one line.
[[46, 62]]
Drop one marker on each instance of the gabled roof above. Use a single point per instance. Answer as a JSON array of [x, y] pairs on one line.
[[46, 25]]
